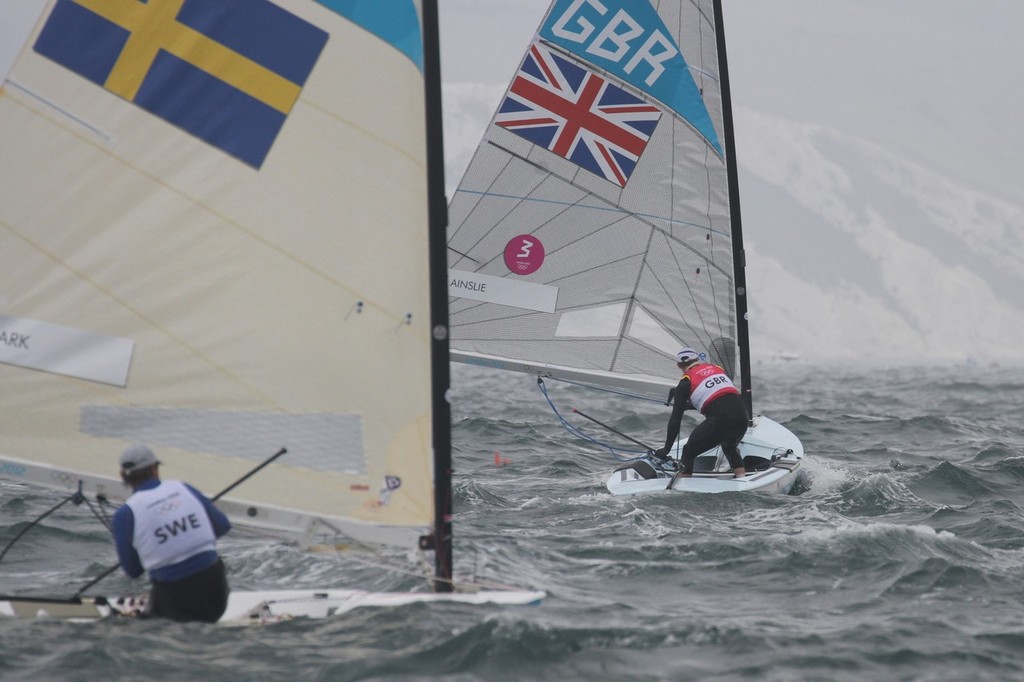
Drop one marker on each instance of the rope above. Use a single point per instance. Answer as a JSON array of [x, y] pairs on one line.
[[626, 456], [75, 497], [100, 515], [615, 391]]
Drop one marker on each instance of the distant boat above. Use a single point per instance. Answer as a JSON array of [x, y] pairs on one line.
[[597, 228], [225, 243]]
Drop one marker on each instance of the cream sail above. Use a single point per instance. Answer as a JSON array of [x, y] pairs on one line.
[[596, 230], [194, 204]]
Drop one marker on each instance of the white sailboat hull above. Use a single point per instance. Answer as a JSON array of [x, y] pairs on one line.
[[766, 440], [271, 606], [261, 607]]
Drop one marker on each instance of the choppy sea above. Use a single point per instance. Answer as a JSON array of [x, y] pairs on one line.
[[898, 555]]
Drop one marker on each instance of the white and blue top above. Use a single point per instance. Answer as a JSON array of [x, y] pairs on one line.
[[169, 529]]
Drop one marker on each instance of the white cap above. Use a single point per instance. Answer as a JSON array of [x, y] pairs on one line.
[[687, 356], [137, 457]]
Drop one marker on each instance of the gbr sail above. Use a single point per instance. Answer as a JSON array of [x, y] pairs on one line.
[[596, 229], [195, 198]]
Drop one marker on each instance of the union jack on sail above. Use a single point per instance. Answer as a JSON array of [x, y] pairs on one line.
[[578, 115]]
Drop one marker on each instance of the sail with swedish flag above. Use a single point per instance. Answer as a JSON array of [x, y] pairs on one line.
[[227, 72], [194, 197]]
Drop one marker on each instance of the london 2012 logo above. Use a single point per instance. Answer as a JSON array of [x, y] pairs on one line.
[[524, 254]]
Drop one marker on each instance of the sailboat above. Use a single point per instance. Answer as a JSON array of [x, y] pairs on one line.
[[597, 231], [221, 234]]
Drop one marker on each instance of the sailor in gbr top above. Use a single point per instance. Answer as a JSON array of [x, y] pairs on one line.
[[170, 529], [707, 388]]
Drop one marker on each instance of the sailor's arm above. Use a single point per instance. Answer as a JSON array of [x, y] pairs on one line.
[[680, 404], [123, 528]]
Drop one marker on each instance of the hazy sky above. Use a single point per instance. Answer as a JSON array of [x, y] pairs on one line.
[[937, 83], [852, 249], [483, 40], [938, 80]]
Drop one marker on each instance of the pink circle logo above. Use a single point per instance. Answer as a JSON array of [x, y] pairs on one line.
[[524, 254]]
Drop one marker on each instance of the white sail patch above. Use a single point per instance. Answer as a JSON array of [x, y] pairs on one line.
[[601, 321], [528, 295], [648, 330], [318, 441], [64, 350]]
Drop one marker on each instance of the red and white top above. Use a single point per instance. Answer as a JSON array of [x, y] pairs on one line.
[[707, 383]]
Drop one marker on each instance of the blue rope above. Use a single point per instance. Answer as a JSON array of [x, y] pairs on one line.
[[616, 391], [627, 456]]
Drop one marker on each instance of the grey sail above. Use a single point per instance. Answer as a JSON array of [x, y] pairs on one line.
[[592, 235]]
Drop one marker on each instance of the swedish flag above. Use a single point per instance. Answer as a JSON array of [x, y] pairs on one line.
[[227, 71]]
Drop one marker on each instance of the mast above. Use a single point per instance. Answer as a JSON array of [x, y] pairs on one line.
[[738, 257], [441, 542]]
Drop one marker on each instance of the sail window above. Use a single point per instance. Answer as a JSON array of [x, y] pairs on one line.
[[590, 322], [646, 329]]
